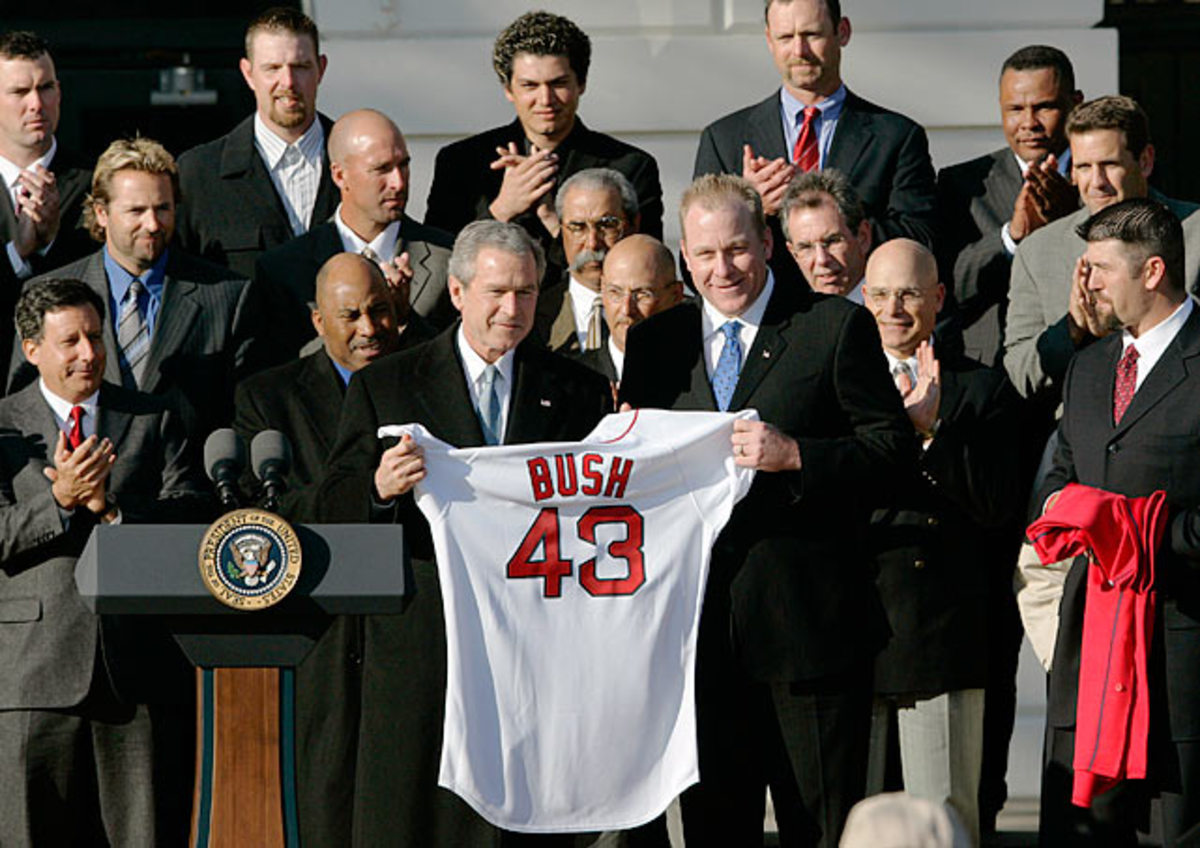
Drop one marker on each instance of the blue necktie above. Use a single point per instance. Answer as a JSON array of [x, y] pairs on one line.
[[729, 364], [489, 406]]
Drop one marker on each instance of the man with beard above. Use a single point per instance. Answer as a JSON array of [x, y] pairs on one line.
[[370, 165], [597, 207], [268, 179]]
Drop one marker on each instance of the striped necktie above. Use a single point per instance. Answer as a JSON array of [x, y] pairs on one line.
[[595, 331], [806, 154], [133, 335]]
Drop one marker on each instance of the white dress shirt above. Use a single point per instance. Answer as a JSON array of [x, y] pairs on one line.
[[473, 368], [385, 245], [62, 410], [1153, 343], [295, 169], [618, 357], [711, 322], [9, 172], [581, 298]]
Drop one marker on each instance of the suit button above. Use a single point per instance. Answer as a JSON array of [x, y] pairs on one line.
[[932, 521], [1113, 449], [1120, 687], [919, 564]]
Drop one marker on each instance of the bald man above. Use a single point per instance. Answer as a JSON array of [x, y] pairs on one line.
[[369, 163], [638, 280], [355, 319], [935, 541]]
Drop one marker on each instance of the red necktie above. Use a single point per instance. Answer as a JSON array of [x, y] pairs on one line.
[[805, 155], [1126, 383], [75, 436]]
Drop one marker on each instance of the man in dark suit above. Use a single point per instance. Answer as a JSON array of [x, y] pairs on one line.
[[939, 539], [510, 173], [369, 161], [93, 718], [883, 154], [267, 180], [791, 617], [534, 396], [986, 206], [1135, 251], [179, 325], [44, 186], [597, 207], [639, 280], [356, 321]]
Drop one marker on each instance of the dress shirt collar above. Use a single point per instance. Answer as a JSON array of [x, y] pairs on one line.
[[911, 361], [473, 364], [1064, 163], [855, 294], [1153, 343], [385, 245], [119, 279], [618, 357], [10, 170], [713, 319], [342, 371], [581, 303], [62, 408], [272, 147], [830, 108]]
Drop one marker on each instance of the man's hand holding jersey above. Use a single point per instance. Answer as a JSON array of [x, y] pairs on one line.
[[400, 468]]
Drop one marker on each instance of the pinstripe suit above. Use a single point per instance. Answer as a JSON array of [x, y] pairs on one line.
[[207, 324]]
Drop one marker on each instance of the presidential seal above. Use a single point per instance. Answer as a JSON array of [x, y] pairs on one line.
[[250, 559]]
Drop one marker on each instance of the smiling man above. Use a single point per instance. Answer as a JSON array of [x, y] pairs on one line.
[[1050, 314], [176, 323], [813, 122], [791, 619], [512, 173], [268, 179]]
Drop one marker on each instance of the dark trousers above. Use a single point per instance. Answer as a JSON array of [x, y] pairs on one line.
[[102, 773], [806, 741]]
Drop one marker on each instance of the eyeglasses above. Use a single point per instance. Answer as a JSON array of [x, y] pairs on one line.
[[905, 296], [608, 226], [639, 295]]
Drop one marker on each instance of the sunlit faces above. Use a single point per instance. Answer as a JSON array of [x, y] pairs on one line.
[[29, 107], [903, 293], [726, 255], [284, 70], [355, 316], [498, 305], [69, 356], [1033, 111], [545, 92], [374, 176], [1117, 280], [807, 47], [636, 284], [1105, 171], [592, 222], [139, 218], [830, 256]]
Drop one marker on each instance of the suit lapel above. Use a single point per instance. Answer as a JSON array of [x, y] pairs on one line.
[[445, 397], [318, 385], [241, 157], [38, 421], [8, 215], [769, 345], [175, 319], [1170, 370], [851, 138], [764, 130], [534, 403], [418, 260], [96, 278], [113, 422]]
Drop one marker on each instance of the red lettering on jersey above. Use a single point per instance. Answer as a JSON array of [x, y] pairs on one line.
[[564, 464], [595, 478], [618, 476], [539, 478]]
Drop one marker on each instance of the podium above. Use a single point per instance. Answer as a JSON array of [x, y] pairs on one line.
[[244, 660]]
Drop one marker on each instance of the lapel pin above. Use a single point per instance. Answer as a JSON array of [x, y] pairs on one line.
[[545, 402], [766, 354]]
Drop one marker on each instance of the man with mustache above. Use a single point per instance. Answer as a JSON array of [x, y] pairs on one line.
[[369, 161], [176, 324], [597, 207], [355, 318], [267, 180], [814, 123]]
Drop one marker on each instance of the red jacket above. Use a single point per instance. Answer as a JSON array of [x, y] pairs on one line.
[[1112, 718]]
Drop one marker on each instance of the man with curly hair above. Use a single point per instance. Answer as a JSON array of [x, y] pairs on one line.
[[511, 173]]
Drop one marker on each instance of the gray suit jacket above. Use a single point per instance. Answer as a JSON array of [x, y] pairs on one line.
[[48, 639], [1037, 344], [975, 200], [207, 325]]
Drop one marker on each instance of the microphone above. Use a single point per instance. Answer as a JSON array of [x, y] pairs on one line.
[[224, 461], [271, 459]]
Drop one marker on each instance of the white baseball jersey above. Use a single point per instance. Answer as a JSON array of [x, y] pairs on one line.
[[572, 578]]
